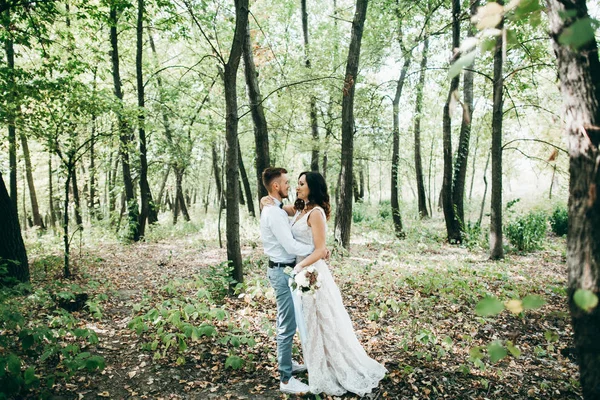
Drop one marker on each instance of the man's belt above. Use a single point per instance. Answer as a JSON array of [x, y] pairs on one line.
[[280, 264]]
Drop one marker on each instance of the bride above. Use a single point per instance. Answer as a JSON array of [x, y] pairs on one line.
[[335, 359]]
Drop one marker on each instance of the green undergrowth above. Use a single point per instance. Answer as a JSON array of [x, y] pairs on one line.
[[44, 337]]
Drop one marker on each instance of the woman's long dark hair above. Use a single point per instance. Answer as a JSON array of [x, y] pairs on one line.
[[317, 195]]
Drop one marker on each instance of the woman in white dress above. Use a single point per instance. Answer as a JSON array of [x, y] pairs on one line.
[[335, 359]]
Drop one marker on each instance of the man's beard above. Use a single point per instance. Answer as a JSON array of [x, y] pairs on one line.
[[281, 194]]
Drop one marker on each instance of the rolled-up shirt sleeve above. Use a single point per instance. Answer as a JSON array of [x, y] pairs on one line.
[[280, 227]]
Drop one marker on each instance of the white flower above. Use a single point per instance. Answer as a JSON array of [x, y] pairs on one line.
[[301, 279]]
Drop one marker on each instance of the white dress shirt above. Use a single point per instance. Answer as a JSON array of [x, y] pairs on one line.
[[276, 235]]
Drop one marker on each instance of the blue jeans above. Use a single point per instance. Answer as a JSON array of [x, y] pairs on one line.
[[286, 321]]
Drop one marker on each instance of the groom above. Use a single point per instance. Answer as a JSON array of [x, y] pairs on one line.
[[282, 248]]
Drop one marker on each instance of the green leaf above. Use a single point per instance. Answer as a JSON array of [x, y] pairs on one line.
[[475, 353], [30, 377], [218, 313], [234, 362], [585, 299], [79, 332], [94, 362], [26, 341], [496, 351], [14, 364], [464, 61], [579, 33], [207, 330], [489, 306], [514, 350], [532, 301]]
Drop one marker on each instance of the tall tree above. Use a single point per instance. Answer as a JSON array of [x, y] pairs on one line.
[[231, 126], [147, 211], [343, 216], [246, 183], [579, 73], [496, 246], [462, 152], [261, 133], [452, 224], [12, 248], [314, 127], [421, 197], [396, 214], [133, 232], [10, 102], [35, 209]]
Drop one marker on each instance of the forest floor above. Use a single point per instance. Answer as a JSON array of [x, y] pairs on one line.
[[412, 303]]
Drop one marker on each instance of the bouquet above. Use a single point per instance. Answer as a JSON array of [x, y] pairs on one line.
[[307, 280]]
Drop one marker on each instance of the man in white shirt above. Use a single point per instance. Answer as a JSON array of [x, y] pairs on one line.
[[282, 248]]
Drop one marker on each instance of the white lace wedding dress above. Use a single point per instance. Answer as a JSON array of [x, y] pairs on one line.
[[335, 359]]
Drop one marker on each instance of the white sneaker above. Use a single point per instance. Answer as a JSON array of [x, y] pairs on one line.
[[297, 367], [294, 386]]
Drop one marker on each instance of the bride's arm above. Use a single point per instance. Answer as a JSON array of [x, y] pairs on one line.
[[268, 201], [316, 221]]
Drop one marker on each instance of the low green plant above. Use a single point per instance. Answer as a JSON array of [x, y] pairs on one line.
[[385, 209], [559, 220], [39, 349], [358, 213], [188, 311], [527, 232], [473, 236]]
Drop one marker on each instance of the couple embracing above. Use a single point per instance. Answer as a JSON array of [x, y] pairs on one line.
[[335, 359]]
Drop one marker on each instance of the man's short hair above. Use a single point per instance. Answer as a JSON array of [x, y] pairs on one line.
[[270, 174]]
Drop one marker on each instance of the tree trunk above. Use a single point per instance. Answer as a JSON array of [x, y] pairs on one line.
[[246, 182], [35, 210], [159, 199], [12, 248], [485, 187], [133, 232], [579, 73], [217, 173], [343, 216], [422, 200], [452, 226], [314, 161], [51, 192], [462, 152], [314, 126], [67, 269], [496, 248], [179, 198], [396, 215], [234, 256], [76, 199], [473, 165], [147, 211], [261, 134], [11, 110], [93, 206]]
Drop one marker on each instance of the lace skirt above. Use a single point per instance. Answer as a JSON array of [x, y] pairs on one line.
[[335, 359]]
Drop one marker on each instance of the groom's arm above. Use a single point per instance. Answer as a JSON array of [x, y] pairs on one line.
[[280, 226]]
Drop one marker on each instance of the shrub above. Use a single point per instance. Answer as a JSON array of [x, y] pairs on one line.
[[527, 232], [385, 209], [473, 236], [358, 213], [559, 221]]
